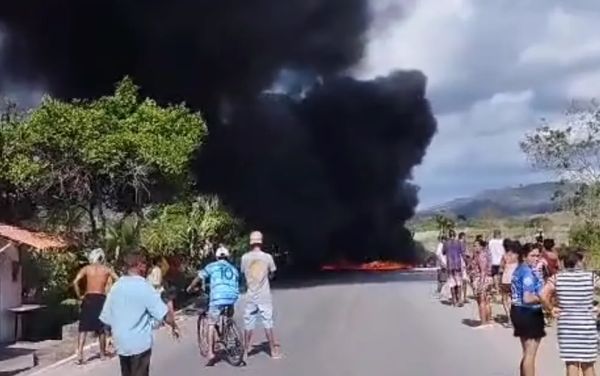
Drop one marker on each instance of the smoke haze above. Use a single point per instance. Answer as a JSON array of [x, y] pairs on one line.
[[321, 161]]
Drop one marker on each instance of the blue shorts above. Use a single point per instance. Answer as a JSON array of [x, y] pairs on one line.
[[214, 312], [253, 310]]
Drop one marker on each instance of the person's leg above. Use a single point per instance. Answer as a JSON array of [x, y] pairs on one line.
[[80, 345], [249, 324], [572, 368], [488, 308], [125, 362], [102, 343], [588, 369], [481, 309], [528, 363], [506, 305], [140, 364], [214, 314], [266, 313]]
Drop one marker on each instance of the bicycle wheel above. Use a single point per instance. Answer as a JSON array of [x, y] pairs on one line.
[[234, 346], [202, 332]]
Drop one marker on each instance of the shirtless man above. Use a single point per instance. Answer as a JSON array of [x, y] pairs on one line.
[[97, 278]]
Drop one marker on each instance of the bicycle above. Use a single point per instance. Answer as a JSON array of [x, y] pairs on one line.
[[228, 337]]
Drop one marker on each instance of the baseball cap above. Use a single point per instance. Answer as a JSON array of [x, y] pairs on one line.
[[256, 237], [222, 252]]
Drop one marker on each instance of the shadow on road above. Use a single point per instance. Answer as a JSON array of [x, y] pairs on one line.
[[350, 278], [471, 323], [260, 348]]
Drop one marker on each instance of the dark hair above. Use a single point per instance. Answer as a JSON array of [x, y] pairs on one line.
[[481, 242], [525, 250], [572, 258], [507, 244], [479, 237], [497, 233], [461, 235], [539, 238], [549, 244], [451, 234], [134, 259]]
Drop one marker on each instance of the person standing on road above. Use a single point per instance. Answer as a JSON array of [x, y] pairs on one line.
[[258, 267], [224, 292], [497, 249], [510, 261], [454, 251], [481, 266], [132, 309], [526, 309], [442, 274], [98, 277], [467, 256], [576, 321]]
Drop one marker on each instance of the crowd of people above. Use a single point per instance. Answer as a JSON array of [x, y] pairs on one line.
[[536, 283], [128, 308]]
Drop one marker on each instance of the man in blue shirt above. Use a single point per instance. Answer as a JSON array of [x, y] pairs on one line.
[[224, 291], [132, 309]]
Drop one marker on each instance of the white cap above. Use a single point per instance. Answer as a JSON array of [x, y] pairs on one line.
[[256, 237], [222, 252]]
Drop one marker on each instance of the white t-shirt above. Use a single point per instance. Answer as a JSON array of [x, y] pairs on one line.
[[497, 250], [440, 254]]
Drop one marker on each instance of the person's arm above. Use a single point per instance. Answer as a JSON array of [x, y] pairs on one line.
[[530, 295], [272, 267], [105, 314], [199, 279], [159, 310], [546, 296], [76, 282]]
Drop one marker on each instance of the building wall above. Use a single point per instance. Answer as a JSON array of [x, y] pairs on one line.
[[10, 291]]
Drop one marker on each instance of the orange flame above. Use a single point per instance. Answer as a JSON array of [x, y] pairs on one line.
[[375, 266]]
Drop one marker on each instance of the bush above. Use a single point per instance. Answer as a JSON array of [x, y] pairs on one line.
[[587, 236]]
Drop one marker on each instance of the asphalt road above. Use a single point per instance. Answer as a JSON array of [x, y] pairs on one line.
[[380, 325]]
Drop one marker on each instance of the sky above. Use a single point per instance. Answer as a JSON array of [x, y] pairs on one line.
[[495, 68]]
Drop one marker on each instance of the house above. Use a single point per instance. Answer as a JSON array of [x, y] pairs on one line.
[[14, 241]]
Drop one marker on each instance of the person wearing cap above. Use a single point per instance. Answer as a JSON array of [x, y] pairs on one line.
[[97, 279], [224, 291], [258, 267]]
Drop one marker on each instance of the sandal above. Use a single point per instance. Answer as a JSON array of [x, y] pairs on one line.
[[276, 352]]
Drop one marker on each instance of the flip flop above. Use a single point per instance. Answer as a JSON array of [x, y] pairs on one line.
[[276, 352], [80, 362]]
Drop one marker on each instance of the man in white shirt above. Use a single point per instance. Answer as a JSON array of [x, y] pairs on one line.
[[442, 272], [497, 250]]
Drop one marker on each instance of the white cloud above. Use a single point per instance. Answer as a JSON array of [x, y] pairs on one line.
[[495, 68]]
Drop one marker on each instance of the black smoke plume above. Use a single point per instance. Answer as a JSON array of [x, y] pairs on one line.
[[324, 170]]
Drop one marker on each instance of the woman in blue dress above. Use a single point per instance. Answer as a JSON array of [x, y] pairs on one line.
[[526, 310]]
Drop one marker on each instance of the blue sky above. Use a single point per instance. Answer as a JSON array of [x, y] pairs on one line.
[[495, 68]]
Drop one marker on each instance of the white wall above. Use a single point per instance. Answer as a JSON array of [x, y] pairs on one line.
[[10, 292]]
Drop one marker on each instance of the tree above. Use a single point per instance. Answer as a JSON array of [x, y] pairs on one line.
[[115, 153], [571, 150], [444, 223], [187, 226]]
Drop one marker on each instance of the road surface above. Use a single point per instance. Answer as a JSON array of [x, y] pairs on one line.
[[381, 325]]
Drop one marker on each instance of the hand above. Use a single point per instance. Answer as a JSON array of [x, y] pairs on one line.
[[555, 312], [175, 332]]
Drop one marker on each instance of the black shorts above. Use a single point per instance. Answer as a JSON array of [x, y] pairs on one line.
[[495, 270], [528, 322], [136, 365], [89, 317]]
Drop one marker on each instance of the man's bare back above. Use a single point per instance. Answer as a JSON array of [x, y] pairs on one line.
[[97, 278]]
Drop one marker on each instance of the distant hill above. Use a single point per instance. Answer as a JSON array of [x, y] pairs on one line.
[[524, 200]]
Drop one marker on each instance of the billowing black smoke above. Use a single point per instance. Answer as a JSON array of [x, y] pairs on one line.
[[324, 170]]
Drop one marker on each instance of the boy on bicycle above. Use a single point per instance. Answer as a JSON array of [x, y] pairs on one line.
[[224, 291]]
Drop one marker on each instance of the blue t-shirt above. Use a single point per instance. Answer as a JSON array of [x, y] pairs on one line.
[[525, 280], [224, 282], [132, 308]]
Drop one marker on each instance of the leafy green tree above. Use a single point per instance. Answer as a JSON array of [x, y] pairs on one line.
[[188, 226], [116, 153], [571, 150]]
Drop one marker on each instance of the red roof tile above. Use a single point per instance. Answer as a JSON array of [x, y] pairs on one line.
[[34, 239]]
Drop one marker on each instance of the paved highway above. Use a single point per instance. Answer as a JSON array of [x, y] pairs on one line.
[[380, 325]]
